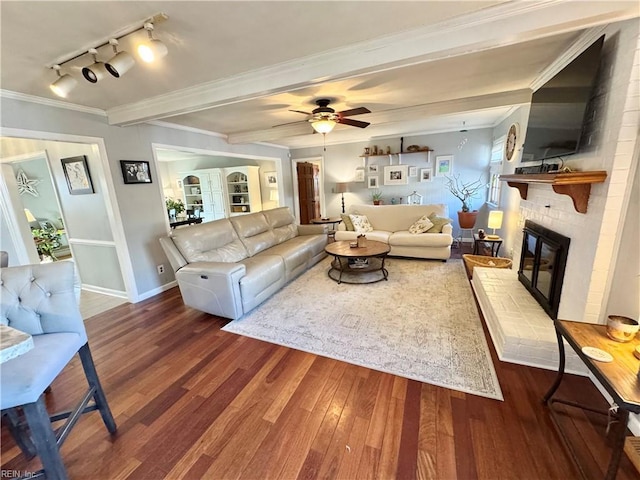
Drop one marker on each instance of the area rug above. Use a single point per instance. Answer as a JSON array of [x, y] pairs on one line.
[[421, 324]]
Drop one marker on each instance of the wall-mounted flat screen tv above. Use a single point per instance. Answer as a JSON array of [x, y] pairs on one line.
[[557, 116]]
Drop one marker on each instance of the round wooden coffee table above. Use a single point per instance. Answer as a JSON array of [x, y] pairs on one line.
[[356, 261]]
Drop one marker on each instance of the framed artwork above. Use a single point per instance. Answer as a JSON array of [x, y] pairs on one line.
[[359, 175], [413, 171], [425, 174], [396, 174], [372, 168], [76, 172], [372, 181], [135, 171], [444, 165], [271, 179]]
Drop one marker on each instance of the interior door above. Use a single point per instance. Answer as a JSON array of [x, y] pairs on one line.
[[308, 192]]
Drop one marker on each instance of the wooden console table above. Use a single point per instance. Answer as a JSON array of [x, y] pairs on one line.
[[575, 184], [619, 378]]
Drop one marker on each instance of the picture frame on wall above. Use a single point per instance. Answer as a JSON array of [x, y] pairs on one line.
[[444, 165], [359, 177], [76, 172], [271, 179], [372, 169], [413, 171], [372, 181], [425, 175], [396, 174], [135, 171]]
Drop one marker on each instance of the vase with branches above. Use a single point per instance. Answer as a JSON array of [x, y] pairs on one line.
[[464, 191]]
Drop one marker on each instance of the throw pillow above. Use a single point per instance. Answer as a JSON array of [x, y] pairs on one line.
[[361, 223], [421, 225], [438, 223], [347, 222]]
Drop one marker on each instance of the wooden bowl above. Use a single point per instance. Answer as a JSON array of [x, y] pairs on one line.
[[622, 329]]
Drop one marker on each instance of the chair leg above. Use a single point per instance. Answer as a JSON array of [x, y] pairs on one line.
[[99, 397], [44, 439], [19, 433]]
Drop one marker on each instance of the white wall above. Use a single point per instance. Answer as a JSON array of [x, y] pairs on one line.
[[141, 207], [471, 160]]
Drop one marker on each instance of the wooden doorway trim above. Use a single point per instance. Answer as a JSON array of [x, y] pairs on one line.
[[319, 161]]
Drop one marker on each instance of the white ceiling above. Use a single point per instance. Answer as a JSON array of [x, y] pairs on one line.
[[236, 68]]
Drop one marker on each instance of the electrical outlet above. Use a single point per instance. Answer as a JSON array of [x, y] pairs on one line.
[[160, 269]]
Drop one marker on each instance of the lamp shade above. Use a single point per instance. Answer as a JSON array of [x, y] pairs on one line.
[[29, 215], [342, 187], [324, 125], [152, 50], [120, 64], [495, 219], [63, 85]]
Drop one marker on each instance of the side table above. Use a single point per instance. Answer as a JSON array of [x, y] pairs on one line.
[[619, 378], [495, 244], [334, 222]]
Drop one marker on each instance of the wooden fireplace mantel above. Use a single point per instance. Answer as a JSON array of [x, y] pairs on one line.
[[575, 184]]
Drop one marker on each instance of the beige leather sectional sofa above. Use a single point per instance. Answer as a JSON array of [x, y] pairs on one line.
[[228, 267], [391, 225]]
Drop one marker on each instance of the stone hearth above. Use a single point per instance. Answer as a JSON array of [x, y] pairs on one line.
[[520, 329]]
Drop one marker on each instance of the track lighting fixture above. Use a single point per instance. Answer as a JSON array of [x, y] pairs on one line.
[[121, 61], [119, 64], [152, 49], [97, 70], [64, 84]]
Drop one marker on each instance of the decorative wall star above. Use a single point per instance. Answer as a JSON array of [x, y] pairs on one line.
[[25, 185]]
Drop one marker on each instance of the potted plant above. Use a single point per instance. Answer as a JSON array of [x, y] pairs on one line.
[[376, 196], [174, 207], [47, 240], [465, 192]]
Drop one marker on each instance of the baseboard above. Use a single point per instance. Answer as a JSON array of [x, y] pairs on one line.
[[156, 291], [105, 291]]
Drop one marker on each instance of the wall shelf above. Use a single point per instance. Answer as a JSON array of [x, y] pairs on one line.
[[398, 154], [575, 184]]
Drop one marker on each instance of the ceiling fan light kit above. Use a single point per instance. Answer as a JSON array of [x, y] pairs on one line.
[[121, 62], [324, 125]]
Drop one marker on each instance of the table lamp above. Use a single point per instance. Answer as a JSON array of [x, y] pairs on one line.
[[495, 221], [341, 188]]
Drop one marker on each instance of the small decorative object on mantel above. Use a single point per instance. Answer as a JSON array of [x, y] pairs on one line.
[[388, 150], [413, 148]]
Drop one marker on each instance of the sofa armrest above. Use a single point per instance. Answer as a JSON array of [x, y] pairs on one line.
[[174, 256], [212, 287], [448, 228], [313, 229]]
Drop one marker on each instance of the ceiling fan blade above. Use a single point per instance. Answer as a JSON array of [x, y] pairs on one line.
[[354, 111], [300, 111], [353, 123]]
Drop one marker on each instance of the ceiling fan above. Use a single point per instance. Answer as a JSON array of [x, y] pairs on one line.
[[324, 118]]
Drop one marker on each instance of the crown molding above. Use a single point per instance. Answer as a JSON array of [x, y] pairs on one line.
[[48, 102], [478, 31]]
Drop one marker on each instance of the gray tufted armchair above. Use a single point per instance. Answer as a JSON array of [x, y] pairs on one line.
[[40, 300]]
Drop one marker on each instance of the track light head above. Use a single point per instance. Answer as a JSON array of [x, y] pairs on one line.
[[152, 49], [96, 71], [64, 84], [121, 62]]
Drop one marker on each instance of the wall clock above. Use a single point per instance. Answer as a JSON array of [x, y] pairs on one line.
[[510, 144]]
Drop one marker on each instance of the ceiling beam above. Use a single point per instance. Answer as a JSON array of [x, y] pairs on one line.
[[447, 107], [502, 25]]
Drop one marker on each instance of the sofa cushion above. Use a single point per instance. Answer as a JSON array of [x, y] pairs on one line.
[[395, 218], [294, 254], [425, 240], [215, 241], [263, 271], [377, 235], [282, 222], [254, 232], [438, 223], [348, 224], [421, 225], [360, 223]]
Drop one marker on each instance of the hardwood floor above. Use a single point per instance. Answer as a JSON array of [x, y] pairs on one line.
[[192, 401]]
